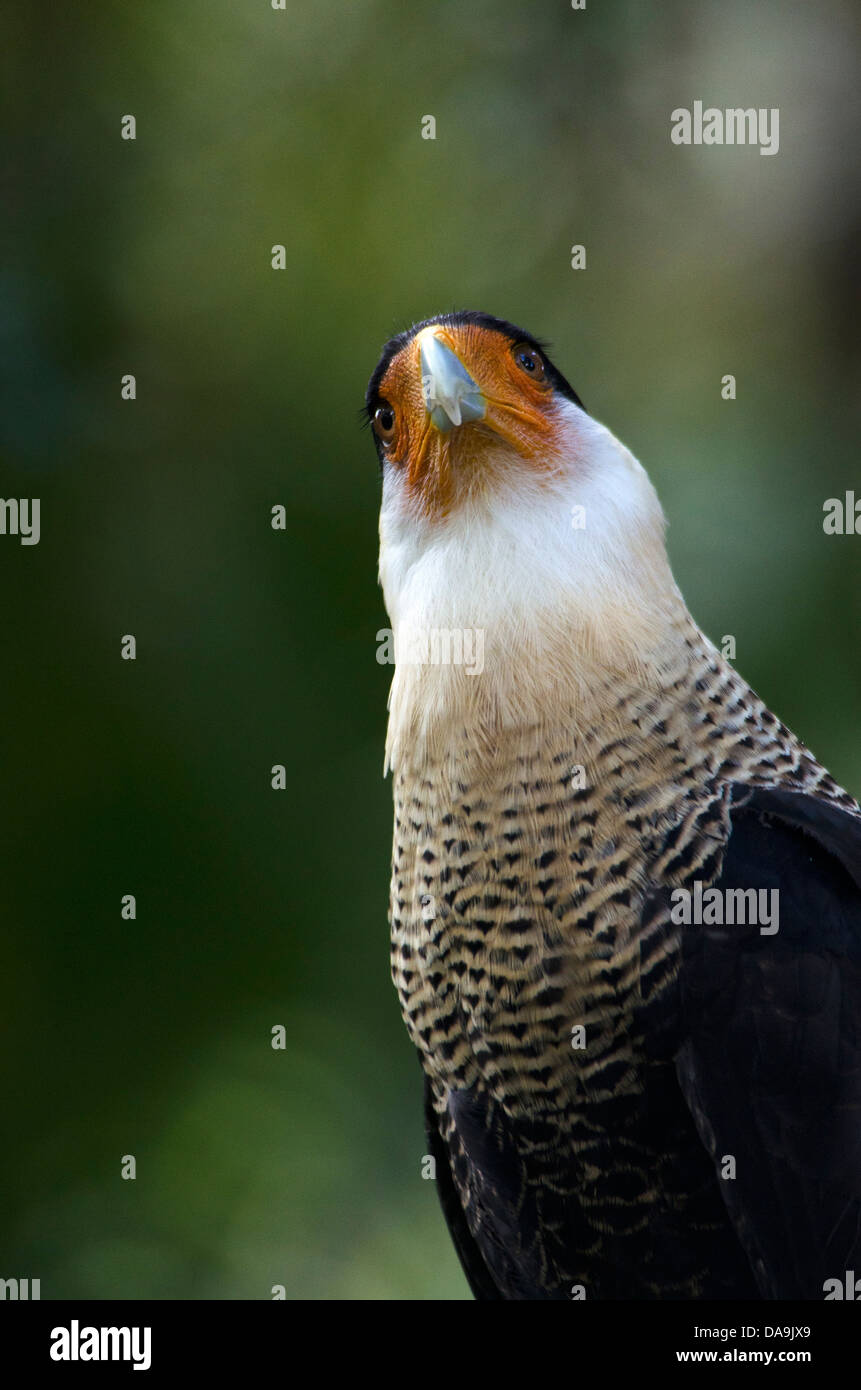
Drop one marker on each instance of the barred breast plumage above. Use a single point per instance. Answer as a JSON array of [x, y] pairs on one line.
[[525, 905]]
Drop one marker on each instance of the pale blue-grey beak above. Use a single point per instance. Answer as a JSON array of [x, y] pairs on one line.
[[451, 396]]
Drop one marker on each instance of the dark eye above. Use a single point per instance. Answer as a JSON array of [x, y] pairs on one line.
[[384, 423], [530, 361]]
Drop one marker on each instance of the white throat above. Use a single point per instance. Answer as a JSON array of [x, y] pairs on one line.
[[514, 609]]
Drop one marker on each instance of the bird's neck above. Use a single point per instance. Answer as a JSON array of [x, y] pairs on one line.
[[536, 594], [485, 667]]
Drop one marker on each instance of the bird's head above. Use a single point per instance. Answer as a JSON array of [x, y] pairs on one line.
[[507, 509], [454, 398]]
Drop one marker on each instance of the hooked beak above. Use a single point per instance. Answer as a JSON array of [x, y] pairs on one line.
[[451, 396]]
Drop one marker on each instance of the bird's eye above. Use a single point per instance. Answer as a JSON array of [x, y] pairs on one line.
[[384, 424], [531, 362]]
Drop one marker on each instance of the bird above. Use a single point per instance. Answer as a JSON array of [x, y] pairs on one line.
[[625, 906]]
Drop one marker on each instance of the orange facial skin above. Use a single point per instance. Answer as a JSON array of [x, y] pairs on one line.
[[520, 410]]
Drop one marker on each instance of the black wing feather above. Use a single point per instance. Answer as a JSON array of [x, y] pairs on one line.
[[771, 1066], [476, 1271]]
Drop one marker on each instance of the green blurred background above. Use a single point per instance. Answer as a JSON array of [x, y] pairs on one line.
[[301, 1167]]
